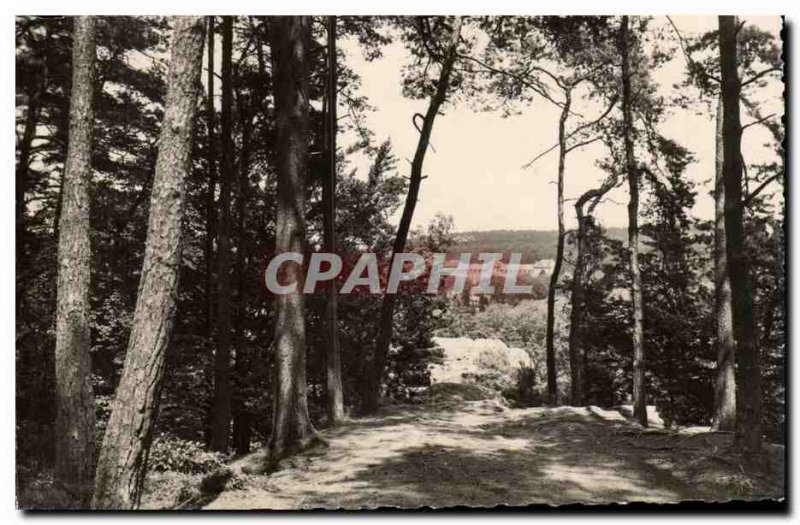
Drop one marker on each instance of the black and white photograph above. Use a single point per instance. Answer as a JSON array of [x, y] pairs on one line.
[[399, 261]]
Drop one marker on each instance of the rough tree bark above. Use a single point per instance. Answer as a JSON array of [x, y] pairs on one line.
[[335, 400], [550, 353], [221, 413], [62, 130], [725, 383], [74, 435], [126, 444], [639, 392], [748, 379], [374, 368], [291, 425], [211, 219]]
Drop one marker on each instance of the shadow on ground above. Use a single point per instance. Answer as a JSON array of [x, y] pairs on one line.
[[483, 454]]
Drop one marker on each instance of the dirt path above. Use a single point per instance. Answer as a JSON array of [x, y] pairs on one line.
[[482, 454]]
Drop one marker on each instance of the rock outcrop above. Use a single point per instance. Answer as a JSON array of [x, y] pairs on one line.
[[469, 360]]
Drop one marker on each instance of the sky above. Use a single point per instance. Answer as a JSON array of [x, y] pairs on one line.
[[476, 173]]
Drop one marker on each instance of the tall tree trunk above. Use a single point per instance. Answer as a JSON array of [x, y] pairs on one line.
[[639, 392], [550, 355], [291, 425], [376, 365], [725, 384], [221, 414], [335, 401], [126, 445], [62, 129], [578, 310], [748, 399], [211, 218], [75, 448], [242, 375]]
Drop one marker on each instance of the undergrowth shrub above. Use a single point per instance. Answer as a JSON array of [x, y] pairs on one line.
[[169, 453], [523, 392]]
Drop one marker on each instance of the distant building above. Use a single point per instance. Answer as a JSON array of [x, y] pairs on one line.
[[542, 268]]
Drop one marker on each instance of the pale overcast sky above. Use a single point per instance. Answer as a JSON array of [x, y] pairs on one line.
[[476, 172]]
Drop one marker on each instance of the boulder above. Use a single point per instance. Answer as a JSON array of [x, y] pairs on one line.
[[468, 360]]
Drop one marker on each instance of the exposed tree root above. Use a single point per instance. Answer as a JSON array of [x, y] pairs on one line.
[[266, 461]]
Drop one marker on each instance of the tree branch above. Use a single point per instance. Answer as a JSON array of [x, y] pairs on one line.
[[759, 75], [540, 155], [749, 199], [582, 144], [572, 134], [689, 60], [758, 121], [596, 194], [595, 121], [537, 88]]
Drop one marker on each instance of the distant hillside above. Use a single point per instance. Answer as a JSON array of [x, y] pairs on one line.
[[532, 244]]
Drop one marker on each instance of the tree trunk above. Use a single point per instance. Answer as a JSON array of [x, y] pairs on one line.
[[211, 218], [335, 399], [639, 393], [221, 414], [725, 385], [384, 339], [550, 355], [748, 399], [123, 456], [578, 310], [291, 425], [75, 448], [61, 137], [242, 375]]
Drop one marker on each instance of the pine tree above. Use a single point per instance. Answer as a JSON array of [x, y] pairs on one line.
[[291, 425], [632, 170], [333, 358], [725, 381], [748, 397], [221, 412], [122, 464], [372, 381], [75, 447]]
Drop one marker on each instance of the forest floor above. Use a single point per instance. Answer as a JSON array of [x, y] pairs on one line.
[[482, 454]]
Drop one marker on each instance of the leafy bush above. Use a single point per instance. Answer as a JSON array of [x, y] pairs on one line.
[[37, 490], [169, 453], [458, 391], [522, 326], [520, 388], [524, 393], [493, 359], [494, 380]]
